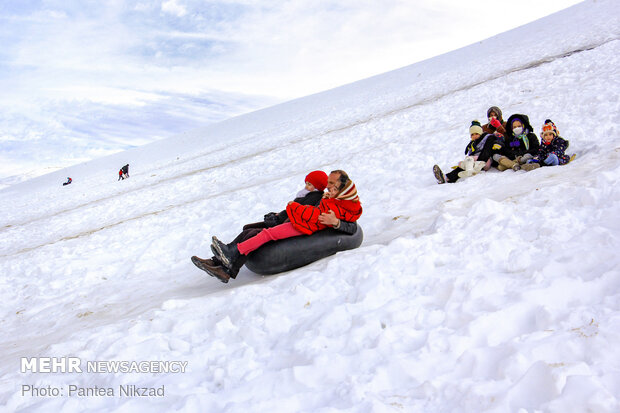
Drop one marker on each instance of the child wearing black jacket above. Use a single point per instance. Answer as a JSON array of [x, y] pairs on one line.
[[520, 143]]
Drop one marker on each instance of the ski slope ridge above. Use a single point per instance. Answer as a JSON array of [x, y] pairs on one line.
[[500, 293]]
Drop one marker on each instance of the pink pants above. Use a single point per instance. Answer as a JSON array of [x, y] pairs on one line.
[[282, 231]]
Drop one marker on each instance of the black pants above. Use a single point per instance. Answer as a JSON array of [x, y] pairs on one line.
[[453, 176], [249, 231]]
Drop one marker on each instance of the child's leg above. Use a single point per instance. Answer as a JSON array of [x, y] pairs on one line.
[[286, 230], [453, 175], [552, 160]]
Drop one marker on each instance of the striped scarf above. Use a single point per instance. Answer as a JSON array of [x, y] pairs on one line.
[[525, 139], [349, 193]]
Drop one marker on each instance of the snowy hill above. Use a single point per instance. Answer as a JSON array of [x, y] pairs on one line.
[[500, 293]]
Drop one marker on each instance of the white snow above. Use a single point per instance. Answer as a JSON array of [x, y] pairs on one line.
[[500, 293]]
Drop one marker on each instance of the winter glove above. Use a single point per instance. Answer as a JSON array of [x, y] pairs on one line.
[[271, 219], [495, 123], [533, 160]]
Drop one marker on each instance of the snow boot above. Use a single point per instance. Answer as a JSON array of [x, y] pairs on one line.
[[214, 262], [506, 163], [213, 270], [470, 167], [227, 254], [441, 179], [530, 166], [479, 166], [466, 174], [467, 164]]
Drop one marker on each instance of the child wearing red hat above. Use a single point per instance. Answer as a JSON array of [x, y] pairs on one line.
[[311, 194], [315, 181]]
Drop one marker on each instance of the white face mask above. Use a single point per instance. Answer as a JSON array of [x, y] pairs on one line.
[[518, 130]]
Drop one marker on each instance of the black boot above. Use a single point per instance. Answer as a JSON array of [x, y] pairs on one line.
[[213, 270], [227, 254]]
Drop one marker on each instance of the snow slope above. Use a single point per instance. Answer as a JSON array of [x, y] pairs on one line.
[[500, 293]]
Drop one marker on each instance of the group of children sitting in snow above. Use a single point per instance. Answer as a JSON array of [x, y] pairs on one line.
[[510, 144]]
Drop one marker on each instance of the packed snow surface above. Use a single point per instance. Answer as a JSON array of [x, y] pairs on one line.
[[500, 293]]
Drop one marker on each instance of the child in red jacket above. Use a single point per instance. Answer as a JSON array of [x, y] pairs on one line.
[[304, 220]]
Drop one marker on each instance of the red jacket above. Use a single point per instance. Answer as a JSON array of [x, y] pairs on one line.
[[305, 218]]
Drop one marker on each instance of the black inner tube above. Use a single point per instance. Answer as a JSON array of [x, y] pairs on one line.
[[288, 254]]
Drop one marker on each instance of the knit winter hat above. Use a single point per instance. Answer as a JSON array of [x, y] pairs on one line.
[[349, 193], [318, 179], [475, 128], [549, 126], [497, 111], [515, 119]]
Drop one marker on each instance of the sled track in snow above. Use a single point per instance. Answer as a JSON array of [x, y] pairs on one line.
[[294, 141]]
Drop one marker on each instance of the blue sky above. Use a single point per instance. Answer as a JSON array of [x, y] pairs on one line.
[[83, 79]]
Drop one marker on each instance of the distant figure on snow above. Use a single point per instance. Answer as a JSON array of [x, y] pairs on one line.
[[123, 172], [69, 180]]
